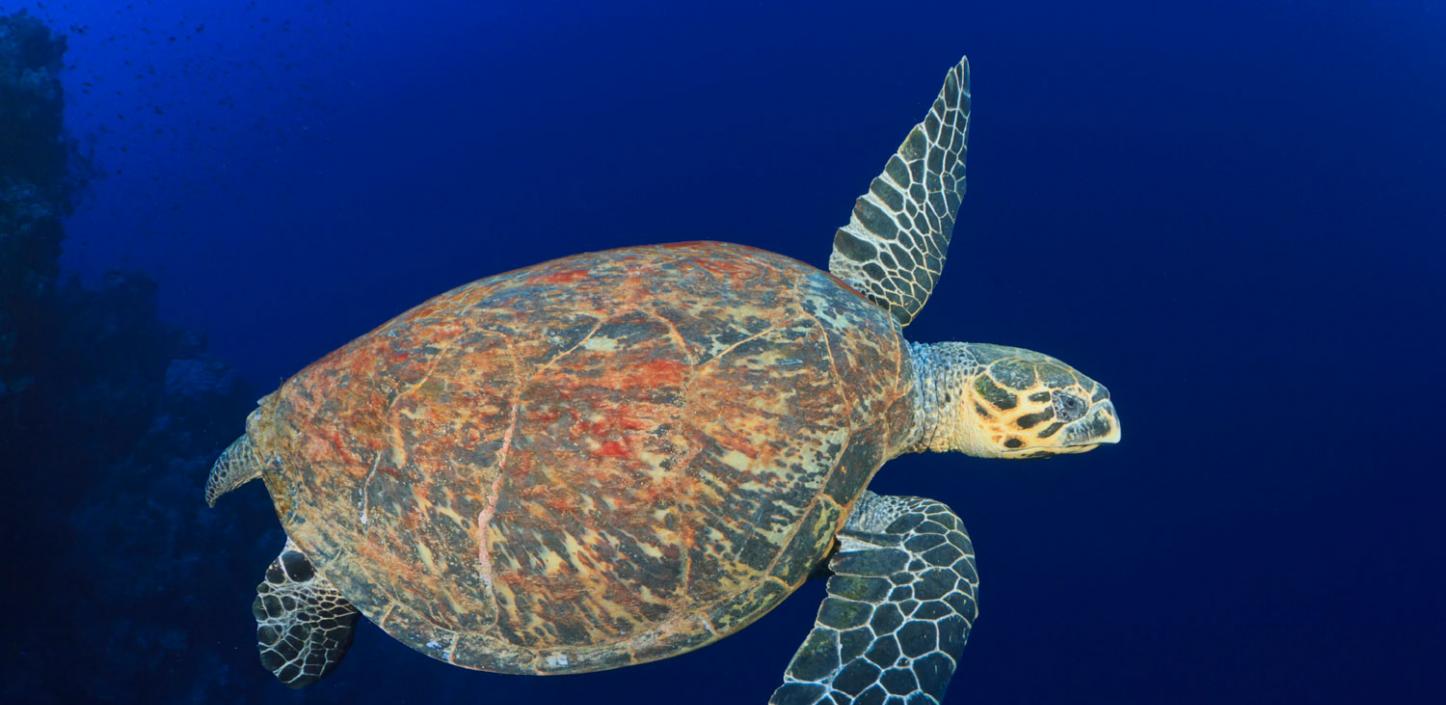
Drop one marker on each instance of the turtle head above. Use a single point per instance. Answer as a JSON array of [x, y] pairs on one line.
[[993, 401]]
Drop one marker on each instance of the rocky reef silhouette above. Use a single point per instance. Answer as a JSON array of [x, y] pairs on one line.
[[109, 420]]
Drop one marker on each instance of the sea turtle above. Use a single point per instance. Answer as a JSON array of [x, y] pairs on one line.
[[621, 456]]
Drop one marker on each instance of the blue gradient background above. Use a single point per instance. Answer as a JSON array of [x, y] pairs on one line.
[[1231, 213]]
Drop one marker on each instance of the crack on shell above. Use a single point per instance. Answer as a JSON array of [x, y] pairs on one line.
[[394, 425], [484, 517], [366, 488], [772, 326], [684, 503], [674, 335]]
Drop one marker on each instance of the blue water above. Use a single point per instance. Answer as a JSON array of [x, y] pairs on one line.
[[1231, 213]]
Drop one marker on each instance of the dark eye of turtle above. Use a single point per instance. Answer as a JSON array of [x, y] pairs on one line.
[[1068, 407]]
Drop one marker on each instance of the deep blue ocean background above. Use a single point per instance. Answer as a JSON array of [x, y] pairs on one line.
[[1231, 213]]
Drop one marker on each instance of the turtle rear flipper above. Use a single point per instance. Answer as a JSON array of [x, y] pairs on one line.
[[237, 466], [303, 624]]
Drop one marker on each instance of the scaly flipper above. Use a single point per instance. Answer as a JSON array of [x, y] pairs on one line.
[[303, 625], [237, 466], [899, 608], [893, 248]]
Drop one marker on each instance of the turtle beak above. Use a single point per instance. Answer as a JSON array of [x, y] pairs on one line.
[[1098, 426]]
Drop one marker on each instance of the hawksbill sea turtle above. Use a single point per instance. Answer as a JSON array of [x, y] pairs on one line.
[[618, 457]]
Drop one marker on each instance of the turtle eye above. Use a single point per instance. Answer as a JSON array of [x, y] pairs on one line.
[[1068, 407]]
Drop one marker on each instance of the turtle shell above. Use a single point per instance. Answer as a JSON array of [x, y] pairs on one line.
[[593, 462]]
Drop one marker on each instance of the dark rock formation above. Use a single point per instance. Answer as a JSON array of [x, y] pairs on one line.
[[35, 189], [109, 420]]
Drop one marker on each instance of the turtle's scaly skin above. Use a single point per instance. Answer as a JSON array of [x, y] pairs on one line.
[[593, 462]]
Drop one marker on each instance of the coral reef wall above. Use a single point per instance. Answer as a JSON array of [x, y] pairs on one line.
[[35, 192], [109, 420], [35, 189]]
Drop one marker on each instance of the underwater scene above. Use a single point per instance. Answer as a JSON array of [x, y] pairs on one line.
[[649, 352]]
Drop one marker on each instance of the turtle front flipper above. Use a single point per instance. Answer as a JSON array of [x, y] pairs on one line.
[[893, 248], [303, 624], [899, 608], [237, 466]]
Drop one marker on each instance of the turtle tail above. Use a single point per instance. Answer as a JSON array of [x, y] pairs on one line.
[[237, 466]]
